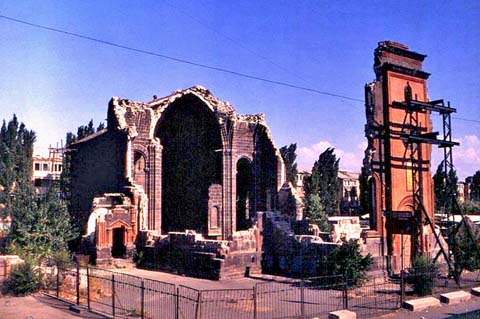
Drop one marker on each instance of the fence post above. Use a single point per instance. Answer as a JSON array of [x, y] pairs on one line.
[[58, 279], [177, 303], [78, 284], [198, 309], [255, 301], [402, 287], [88, 288], [142, 300], [302, 298], [113, 296], [345, 291]]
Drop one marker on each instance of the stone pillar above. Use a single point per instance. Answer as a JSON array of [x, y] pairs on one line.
[[128, 159], [154, 186], [228, 222]]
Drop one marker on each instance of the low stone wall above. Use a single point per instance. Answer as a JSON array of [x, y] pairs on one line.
[[288, 254], [189, 253]]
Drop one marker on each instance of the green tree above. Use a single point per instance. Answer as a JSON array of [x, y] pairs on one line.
[[41, 227], [475, 187], [316, 212], [422, 276], [464, 250], [65, 184], [100, 126], [470, 207], [445, 189], [347, 260], [16, 150], [324, 180], [289, 156], [85, 130]]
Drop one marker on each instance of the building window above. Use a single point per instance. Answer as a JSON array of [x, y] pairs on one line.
[[214, 216], [45, 167], [409, 177], [37, 166]]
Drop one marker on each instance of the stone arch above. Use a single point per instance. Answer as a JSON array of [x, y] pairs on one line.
[[244, 192], [191, 141], [406, 204]]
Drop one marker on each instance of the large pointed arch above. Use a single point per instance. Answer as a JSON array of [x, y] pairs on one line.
[[191, 162]]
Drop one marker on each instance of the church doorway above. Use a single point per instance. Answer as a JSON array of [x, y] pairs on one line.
[[118, 242]]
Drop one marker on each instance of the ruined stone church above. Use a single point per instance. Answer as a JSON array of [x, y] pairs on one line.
[[185, 169]]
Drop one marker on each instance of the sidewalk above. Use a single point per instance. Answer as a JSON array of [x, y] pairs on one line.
[[441, 312], [39, 306]]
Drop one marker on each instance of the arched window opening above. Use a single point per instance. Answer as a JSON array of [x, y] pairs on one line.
[[244, 193]]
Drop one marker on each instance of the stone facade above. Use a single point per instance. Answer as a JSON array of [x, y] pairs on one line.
[[293, 248], [387, 157], [185, 162]]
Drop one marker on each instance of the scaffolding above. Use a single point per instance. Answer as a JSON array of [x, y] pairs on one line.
[[414, 136]]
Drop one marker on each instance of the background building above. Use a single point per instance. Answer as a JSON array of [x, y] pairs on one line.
[[47, 169], [349, 192]]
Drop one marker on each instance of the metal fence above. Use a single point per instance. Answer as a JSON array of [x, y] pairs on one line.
[[120, 295], [3, 270]]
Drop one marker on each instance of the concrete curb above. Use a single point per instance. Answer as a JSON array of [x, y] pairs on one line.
[[455, 297], [421, 303]]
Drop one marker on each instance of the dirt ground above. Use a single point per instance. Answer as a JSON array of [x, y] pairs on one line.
[[38, 306]]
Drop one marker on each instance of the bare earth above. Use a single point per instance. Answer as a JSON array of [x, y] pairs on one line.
[[38, 306]]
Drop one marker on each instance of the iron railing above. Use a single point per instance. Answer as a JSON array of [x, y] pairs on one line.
[[120, 295]]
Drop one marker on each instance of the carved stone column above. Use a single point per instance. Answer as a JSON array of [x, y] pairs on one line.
[[154, 186]]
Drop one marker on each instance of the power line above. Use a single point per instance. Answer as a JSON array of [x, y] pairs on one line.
[[235, 42], [464, 119], [201, 65], [184, 61]]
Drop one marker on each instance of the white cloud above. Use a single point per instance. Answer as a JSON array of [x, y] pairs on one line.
[[466, 157], [349, 160]]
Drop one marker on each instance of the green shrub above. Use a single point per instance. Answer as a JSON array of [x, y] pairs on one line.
[[24, 279], [422, 276], [347, 260], [62, 258], [138, 258]]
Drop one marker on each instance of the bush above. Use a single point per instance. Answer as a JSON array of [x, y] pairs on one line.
[[62, 258], [422, 276], [138, 258], [464, 250], [24, 280], [347, 260]]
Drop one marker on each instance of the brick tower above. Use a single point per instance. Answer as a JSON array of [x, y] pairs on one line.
[[400, 184]]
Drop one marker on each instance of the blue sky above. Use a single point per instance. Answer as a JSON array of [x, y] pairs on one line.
[[54, 83]]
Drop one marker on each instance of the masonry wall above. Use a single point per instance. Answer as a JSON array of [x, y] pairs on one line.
[[97, 166]]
